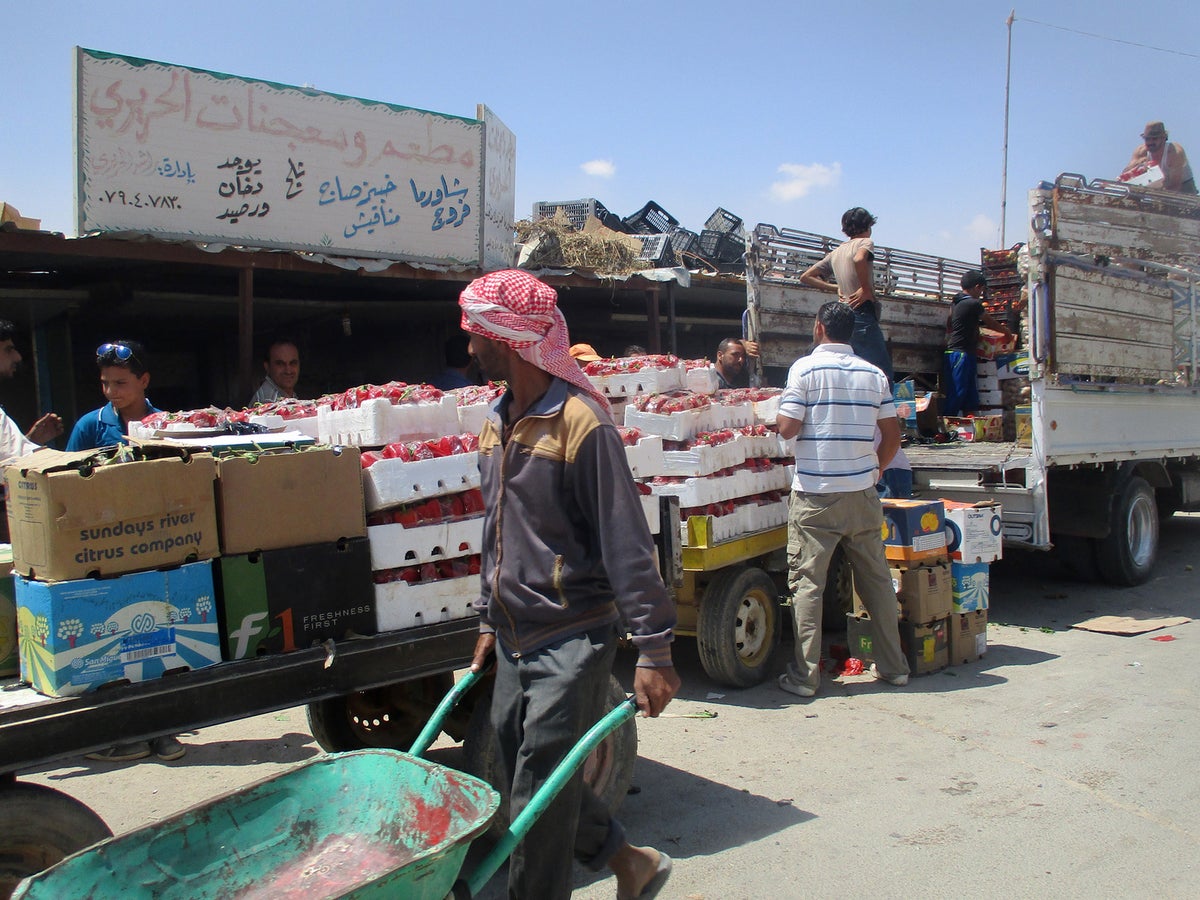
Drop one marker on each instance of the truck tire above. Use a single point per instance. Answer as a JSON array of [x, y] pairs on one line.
[[41, 827], [838, 600], [389, 717], [608, 770], [739, 626], [1126, 556]]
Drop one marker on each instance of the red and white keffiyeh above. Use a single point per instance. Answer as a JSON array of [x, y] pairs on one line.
[[514, 307]]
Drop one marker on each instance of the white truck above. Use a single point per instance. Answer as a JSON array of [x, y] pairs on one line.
[[1112, 275]]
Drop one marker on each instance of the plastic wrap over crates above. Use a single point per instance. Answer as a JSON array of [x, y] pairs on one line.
[[400, 605], [378, 421], [390, 482], [394, 546], [651, 219], [577, 212]]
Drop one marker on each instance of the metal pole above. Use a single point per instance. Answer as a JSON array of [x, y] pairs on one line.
[[1004, 171]]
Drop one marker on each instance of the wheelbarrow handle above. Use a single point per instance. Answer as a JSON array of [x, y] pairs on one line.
[[618, 716], [434, 726]]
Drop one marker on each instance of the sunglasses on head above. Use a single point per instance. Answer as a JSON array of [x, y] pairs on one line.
[[117, 351]]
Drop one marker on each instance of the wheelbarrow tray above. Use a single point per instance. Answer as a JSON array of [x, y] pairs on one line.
[[365, 824]]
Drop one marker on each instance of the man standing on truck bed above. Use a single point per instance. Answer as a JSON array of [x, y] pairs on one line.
[[832, 405], [959, 368], [1156, 150], [567, 555], [851, 264]]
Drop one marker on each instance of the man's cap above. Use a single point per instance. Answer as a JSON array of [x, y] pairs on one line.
[[973, 278], [1154, 128], [584, 353]]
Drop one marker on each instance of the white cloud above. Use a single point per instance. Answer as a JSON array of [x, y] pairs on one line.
[[600, 168], [801, 179], [984, 229]]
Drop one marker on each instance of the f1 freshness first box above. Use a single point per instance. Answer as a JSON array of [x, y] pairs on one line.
[[78, 635], [107, 512]]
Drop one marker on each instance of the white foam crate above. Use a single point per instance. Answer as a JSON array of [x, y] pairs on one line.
[[647, 381], [704, 459], [766, 411], [710, 489], [471, 418], [377, 422], [645, 458], [727, 415], [390, 482], [678, 426], [701, 381], [274, 422], [764, 446], [394, 546], [400, 605], [765, 517], [720, 528], [650, 508]]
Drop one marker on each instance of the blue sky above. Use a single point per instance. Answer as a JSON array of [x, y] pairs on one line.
[[781, 112]]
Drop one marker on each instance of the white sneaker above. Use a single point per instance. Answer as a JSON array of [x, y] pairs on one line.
[[897, 680], [796, 687]]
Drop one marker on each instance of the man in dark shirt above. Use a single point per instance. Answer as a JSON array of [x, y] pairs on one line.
[[731, 362], [959, 368]]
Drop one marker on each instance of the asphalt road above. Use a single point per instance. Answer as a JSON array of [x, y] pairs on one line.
[[1060, 764]]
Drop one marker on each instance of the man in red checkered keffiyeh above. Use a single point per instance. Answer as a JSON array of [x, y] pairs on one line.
[[515, 308]]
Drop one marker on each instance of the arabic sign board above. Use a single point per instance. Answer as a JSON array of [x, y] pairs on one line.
[[185, 153]]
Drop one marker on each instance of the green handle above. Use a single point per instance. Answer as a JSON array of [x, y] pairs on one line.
[[545, 794], [434, 725]]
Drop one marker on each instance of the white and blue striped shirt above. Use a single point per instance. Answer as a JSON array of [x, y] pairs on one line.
[[837, 397]]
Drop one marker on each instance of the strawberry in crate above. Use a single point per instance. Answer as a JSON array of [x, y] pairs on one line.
[[671, 402], [625, 365], [475, 394]]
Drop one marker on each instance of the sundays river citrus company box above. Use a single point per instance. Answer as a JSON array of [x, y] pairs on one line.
[[75, 515]]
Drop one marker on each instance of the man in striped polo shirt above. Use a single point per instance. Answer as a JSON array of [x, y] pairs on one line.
[[832, 404]]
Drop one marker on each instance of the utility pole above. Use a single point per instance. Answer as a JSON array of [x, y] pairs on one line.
[[1012, 15]]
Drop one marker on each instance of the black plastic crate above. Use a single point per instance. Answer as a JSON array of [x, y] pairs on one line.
[[724, 221], [684, 241], [709, 242], [731, 248], [656, 249], [651, 219], [577, 212]]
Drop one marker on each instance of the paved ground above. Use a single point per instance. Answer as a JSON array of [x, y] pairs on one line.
[[1061, 764]]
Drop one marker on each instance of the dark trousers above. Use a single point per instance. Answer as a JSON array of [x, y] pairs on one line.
[[868, 342], [542, 705]]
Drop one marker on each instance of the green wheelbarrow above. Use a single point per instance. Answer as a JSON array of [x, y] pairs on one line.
[[364, 824]]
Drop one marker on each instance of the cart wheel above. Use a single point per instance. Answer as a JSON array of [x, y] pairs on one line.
[[608, 770], [838, 599], [41, 827], [739, 626], [389, 717]]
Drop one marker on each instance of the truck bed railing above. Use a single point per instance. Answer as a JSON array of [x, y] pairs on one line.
[[783, 254]]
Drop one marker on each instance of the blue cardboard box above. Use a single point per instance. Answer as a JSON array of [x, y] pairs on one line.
[[914, 530], [970, 587], [77, 635]]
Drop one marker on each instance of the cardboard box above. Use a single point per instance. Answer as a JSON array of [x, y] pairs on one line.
[[992, 343], [289, 498], [968, 636], [76, 515], [985, 367], [914, 530], [970, 586], [923, 594], [1012, 365], [926, 646], [974, 531], [990, 399], [291, 598], [985, 383], [1024, 419], [963, 426], [989, 428], [10, 663], [78, 635]]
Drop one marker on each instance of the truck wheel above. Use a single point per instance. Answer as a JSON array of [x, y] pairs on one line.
[[41, 827], [1126, 556], [388, 717], [838, 599], [739, 626], [608, 770]]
